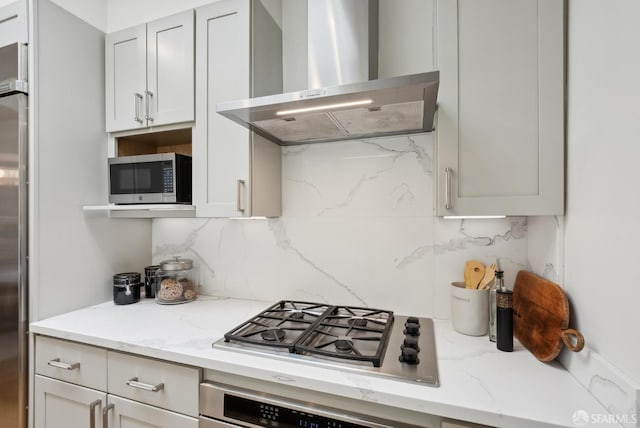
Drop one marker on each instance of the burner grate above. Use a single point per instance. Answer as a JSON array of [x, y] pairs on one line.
[[280, 325], [349, 333], [346, 332]]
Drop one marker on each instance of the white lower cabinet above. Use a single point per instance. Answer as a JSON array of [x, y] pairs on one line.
[[122, 413], [83, 386], [64, 405]]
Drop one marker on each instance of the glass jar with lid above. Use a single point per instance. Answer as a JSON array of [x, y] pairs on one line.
[[176, 281]]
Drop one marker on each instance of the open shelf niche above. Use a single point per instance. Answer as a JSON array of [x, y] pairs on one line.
[[132, 143]]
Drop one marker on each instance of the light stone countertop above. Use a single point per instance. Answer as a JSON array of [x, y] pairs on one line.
[[478, 382]]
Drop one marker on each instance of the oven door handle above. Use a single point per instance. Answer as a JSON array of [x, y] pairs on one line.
[[205, 422]]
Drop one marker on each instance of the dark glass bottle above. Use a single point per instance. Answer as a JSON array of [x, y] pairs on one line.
[[504, 318]]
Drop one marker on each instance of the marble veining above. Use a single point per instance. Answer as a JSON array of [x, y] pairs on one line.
[[615, 391], [358, 227], [280, 233]]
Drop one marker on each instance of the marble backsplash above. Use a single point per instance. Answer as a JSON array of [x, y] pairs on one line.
[[358, 228]]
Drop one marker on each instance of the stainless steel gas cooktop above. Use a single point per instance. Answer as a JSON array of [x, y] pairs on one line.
[[347, 338]]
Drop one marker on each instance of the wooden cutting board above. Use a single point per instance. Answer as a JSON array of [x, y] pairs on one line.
[[541, 317]]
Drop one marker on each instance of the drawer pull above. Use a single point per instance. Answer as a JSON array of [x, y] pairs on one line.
[[59, 364], [92, 413], [133, 382]]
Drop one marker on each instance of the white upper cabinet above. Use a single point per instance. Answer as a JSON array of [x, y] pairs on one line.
[[500, 128], [150, 74], [13, 23], [126, 78], [236, 173]]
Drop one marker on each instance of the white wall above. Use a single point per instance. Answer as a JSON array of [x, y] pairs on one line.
[[73, 255], [601, 238], [93, 12]]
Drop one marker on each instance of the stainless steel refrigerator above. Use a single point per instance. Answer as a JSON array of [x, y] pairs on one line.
[[13, 237]]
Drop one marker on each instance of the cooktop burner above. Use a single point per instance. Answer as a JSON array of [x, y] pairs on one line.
[[343, 337], [350, 333]]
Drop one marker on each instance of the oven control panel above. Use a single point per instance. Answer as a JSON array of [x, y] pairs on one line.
[[266, 415]]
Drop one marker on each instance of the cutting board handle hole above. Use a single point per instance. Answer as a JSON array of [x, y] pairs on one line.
[[573, 339]]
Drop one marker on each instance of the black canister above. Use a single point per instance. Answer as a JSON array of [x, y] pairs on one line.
[[150, 280], [126, 288]]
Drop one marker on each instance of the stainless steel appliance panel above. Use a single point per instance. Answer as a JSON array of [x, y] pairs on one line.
[[13, 266], [216, 411]]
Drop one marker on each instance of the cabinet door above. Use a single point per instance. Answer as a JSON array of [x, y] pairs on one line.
[[63, 405], [126, 79], [221, 147], [170, 69], [500, 130], [131, 414], [13, 23]]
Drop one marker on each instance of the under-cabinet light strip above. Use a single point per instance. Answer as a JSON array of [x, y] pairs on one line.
[[324, 107], [472, 217]]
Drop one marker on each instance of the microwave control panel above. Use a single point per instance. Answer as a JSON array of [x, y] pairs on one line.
[[167, 177]]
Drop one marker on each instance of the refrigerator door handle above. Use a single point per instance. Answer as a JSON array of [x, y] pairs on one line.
[[62, 365]]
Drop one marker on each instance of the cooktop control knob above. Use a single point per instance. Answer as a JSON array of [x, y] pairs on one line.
[[409, 356], [412, 329], [413, 320], [410, 342]]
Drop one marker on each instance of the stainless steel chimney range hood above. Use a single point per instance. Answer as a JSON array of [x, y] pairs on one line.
[[342, 49], [392, 106]]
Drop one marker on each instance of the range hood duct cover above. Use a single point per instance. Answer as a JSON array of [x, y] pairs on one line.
[[342, 57]]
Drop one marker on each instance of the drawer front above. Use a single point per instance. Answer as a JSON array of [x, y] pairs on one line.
[[159, 383], [72, 362]]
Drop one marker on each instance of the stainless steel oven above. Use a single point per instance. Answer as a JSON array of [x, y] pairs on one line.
[[162, 178], [224, 406]]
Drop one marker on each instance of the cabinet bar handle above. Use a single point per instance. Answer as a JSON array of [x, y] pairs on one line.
[[239, 206], [148, 94], [133, 382], [92, 413], [8, 18], [447, 188], [105, 415], [137, 102], [61, 365]]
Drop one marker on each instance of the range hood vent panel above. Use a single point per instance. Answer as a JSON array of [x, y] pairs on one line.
[[399, 105]]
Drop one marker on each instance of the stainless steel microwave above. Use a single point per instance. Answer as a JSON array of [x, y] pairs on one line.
[[162, 178]]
